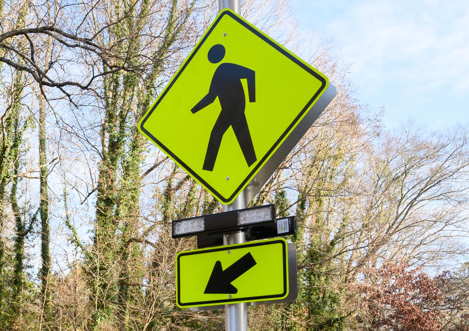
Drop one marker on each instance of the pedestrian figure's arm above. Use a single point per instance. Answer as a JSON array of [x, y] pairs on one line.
[[251, 77], [206, 100]]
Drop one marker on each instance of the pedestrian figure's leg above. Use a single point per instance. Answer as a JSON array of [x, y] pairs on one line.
[[216, 136], [241, 130]]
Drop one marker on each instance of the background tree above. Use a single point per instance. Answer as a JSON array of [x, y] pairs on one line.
[[88, 201], [455, 307], [399, 299]]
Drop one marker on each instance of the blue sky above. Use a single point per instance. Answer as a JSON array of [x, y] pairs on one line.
[[409, 56]]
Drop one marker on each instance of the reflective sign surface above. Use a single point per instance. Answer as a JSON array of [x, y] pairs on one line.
[[256, 271], [232, 103]]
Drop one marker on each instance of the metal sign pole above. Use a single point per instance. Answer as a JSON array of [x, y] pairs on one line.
[[231, 4], [236, 316]]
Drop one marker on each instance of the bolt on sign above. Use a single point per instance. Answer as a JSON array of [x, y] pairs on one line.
[[231, 105], [248, 272]]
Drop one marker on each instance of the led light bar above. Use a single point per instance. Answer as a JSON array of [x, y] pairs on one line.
[[254, 215], [224, 222], [189, 226]]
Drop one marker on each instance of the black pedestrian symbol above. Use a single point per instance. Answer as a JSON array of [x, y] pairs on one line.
[[226, 85]]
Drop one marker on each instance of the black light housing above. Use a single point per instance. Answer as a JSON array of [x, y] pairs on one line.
[[224, 222], [281, 227]]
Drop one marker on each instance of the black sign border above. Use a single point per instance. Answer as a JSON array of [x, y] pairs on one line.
[[275, 145], [231, 248]]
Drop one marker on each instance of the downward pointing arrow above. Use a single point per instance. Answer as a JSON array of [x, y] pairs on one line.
[[220, 280]]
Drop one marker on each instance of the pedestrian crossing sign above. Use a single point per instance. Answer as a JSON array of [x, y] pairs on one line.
[[231, 105]]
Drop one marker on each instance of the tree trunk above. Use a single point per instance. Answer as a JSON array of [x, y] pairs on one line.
[[19, 240], [44, 204]]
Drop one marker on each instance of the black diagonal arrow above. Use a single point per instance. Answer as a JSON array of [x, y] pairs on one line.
[[220, 280]]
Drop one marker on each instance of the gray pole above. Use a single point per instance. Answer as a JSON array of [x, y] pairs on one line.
[[236, 316], [232, 4]]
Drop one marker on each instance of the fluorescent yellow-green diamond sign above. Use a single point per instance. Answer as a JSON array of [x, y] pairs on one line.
[[248, 272], [232, 103]]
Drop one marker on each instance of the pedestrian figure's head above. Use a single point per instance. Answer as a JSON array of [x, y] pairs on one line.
[[216, 53]]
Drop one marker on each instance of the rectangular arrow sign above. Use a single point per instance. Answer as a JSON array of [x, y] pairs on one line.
[[255, 271]]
